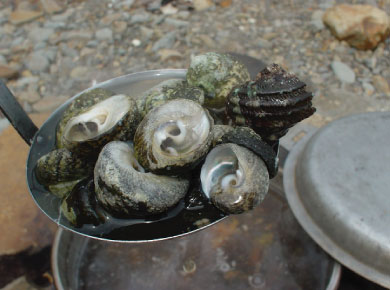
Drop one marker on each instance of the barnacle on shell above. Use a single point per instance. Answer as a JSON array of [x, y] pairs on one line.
[[271, 104]]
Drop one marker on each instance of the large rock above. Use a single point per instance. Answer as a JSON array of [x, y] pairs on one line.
[[362, 26]]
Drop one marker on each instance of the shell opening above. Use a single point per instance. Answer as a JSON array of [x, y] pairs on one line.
[[182, 136], [221, 171], [125, 157], [98, 119]]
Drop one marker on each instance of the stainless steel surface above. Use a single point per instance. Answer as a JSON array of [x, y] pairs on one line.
[[262, 249], [338, 185]]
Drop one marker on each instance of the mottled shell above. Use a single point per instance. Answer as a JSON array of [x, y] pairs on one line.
[[124, 189], [234, 178], [271, 104], [113, 118], [216, 74], [168, 90], [79, 105], [61, 165], [173, 137], [62, 189]]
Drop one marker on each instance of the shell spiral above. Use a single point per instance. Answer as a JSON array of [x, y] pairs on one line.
[[271, 104]]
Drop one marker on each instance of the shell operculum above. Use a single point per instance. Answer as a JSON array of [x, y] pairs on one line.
[[123, 187], [234, 178], [173, 137], [271, 104]]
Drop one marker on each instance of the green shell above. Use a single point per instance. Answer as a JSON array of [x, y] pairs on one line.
[[168, 90], [61, 165], [216, 74], [79, 105]]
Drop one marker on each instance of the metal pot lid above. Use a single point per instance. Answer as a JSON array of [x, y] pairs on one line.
[[337, 183]]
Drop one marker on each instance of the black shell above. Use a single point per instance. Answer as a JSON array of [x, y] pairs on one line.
[[271, 104]]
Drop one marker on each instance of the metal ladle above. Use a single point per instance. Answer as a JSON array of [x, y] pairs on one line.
[[42, 140]]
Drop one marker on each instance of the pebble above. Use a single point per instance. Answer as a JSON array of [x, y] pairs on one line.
[[68, 51], [4, 123], [169, 9], [169, 54], [176, 22], [202, 4], [77, 35], [124, 4], [316, 19], [37, 61], [23, 16], [139, 18], [104, 34], [154, 6], [147, 33], [368, 88], [167, 41], [264, 43], [136, 42], [40, 34], [27, 80], [80, 73], [343, 72], [3, 60], [381, 84], [120, 26], [29, 96], [7, 72], [51, 6]]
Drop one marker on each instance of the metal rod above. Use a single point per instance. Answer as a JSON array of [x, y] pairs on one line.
[[16, 115]]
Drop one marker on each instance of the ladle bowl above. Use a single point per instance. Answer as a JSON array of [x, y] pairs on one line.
[[177, 222]]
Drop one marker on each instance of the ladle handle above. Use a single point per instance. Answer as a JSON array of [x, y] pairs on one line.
[[16, 115]]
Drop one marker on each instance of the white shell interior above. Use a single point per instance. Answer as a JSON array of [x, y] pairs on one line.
[[98, 119], [221, 168], [124, 155], [182, 133]]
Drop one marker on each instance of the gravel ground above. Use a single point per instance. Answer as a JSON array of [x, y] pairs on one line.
[[60, 54]]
